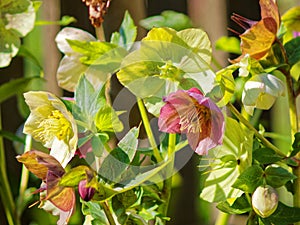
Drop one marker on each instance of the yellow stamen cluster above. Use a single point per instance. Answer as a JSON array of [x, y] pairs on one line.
[[55, 125]]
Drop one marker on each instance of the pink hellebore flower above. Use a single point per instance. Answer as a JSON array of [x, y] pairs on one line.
[[191, 113]]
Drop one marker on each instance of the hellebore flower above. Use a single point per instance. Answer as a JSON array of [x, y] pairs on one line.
[[265, 200], [51, 124], [261, 91], [259, 36], [195, 115], [50, 171]]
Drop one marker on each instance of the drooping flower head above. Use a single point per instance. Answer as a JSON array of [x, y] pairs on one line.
[[51, 124], [191, 113], [50, 171], [259, 36]]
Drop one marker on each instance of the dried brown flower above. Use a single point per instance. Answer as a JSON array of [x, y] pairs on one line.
[[97, 10]]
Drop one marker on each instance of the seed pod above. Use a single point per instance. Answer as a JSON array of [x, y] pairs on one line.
[[265, 200], [86, 193]]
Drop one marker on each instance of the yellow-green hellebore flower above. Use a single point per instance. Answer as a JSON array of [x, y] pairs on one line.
[[51, 124], [261, 91]]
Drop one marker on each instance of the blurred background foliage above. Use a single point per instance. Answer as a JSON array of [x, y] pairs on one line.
[[212, 16]]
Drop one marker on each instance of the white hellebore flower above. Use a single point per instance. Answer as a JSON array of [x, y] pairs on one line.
[[261, 91], [51, 124]]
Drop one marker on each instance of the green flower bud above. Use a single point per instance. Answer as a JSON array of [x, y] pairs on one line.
[[265, 201]]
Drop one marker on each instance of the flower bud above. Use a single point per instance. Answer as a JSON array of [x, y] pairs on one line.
[[265, 200], [86, 193]]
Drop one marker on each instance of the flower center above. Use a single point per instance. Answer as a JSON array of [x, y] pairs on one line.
[[56, 125], [170, 71], [195, 120]]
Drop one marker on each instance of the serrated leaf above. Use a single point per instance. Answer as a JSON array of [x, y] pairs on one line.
[[293, 50], [168, 18], [103, 54], [277, 176], [114, 165], [266, 156], [106, 120], [237, 142], [296, 144], [224, 86], [127, 33], [284, 215], [74, 176], [94, 209], [250, 179], [240, 206], [89, 100], [16, 86], [129, 142], [228, 44]]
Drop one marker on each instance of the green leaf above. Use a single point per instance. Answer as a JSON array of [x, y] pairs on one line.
[[293, 50], [94, 209], [89, 100], [224, 86], [266, 156], [277, 176], [98, 142], [16, 86], [13, 13], [129, 142], [127, 33], [105, 55], [177, 21], [11, 136], [106, 120], [296, 144], [240, 206], [284, 215], [114, 165], [119, 210], [291, 19], [25, 52], [227, 162], [228, 44], [250, 179], [64, 21], [74, 176]]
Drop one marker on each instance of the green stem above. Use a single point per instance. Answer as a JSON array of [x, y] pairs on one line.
[[222, 218], [5, 190], [148, 129], [24, 178], [167, 184], [108, 213], [256, 133]]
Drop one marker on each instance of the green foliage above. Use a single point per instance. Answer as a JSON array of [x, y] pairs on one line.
[[127, 33], [266, 156], [241, 205], [229, 161], [228, 44], [13, 13], [293, 50], [168, 18]]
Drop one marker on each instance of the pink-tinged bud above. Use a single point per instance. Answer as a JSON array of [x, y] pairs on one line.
[[86, 193], [265, 201]]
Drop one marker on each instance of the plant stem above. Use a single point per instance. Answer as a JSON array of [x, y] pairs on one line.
[[100, 33], [256, 133], [148, 129], [222, 218], [5, 191], [107, 212], [167, 184], [24, 178]]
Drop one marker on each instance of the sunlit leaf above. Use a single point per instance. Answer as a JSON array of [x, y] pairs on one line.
[[227, 162], [129, 143], [127, 33], [177, 21], [17, 20], [228, 44], [107, 120]]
